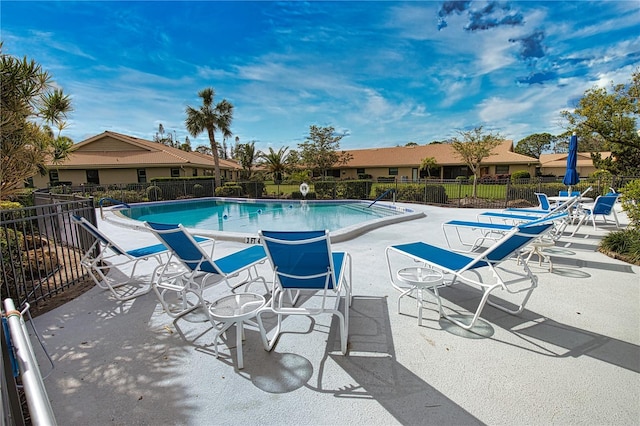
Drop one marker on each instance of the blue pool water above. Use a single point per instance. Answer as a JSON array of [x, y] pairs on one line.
[[250, 216]]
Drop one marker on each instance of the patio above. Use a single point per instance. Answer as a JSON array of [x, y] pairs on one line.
[[572, 357]]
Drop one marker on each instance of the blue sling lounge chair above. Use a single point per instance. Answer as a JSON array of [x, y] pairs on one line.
[[105, 254], [304, 262], [461, 267], [473, 235], [196, 268]]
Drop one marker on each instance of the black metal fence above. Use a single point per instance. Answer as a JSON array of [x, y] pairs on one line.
[[488, 193], [40, 248]]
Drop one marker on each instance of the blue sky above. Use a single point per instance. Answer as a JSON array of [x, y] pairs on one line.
[[381, 73]]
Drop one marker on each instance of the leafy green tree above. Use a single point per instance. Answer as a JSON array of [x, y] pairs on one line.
[[534, 145], [474, 147], [427, 164], [276, 162], [203, 149], [29, 103], [611, 117], [210, 118], [247, 157], [411, 144], [186, 146], [320, 149]]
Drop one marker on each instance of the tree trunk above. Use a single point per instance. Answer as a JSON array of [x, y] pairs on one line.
[[216, 159]]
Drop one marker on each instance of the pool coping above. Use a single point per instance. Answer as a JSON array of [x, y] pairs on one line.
[[114, 215]]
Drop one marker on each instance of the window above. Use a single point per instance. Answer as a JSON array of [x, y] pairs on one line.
[[502, 170], [53, 176], [195, 172], [92, 177], [175, 172], [360, 171], [142, 176], [393, 171]]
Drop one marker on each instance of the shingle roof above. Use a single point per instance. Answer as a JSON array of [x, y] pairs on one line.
[[93, 152], [560, 160], [444, 154]]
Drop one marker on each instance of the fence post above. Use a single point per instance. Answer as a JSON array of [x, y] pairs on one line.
[[506, 194], [459, 191]]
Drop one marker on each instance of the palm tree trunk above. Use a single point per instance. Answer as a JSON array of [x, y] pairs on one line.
[[216, 159]]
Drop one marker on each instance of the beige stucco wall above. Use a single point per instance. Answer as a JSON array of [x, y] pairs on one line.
[[560, 171], [112, 176]]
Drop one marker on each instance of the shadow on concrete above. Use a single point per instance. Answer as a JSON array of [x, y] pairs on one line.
[[376, 374], [540, 334]]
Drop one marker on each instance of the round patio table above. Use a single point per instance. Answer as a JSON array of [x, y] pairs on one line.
[[419, 279], [236, 309]]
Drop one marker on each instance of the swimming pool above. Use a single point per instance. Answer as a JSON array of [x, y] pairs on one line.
[[240, 219]]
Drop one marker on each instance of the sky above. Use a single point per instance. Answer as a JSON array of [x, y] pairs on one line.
[[381, 73]]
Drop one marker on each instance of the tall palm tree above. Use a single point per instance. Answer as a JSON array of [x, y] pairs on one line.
[[210, 118], [276, 162], [247, 156]]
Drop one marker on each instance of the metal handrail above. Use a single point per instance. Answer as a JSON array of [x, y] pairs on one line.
[[116, 202], [40, 408], [383, 194]]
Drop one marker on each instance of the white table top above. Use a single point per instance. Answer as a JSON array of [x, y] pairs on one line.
[[420, 277]]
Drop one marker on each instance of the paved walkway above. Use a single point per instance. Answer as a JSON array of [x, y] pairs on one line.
[[572, 357]]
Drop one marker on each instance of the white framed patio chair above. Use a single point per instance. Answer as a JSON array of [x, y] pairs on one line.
[[303, 262], [464, 268], [604, 206], [472, 235], [105, 254], [196, 269]]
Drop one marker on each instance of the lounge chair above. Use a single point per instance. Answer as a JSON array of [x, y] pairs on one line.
[[602, 206], [196, 269], [516, 216], [543, 207], [105, 254], [303, 261], [473, 235], [464, 268]]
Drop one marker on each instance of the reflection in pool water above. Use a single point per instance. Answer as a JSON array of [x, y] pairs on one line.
[[250, 216]]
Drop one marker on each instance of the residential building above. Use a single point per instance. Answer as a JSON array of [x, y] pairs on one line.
[[403, 162], [556, 164], [112, 158]]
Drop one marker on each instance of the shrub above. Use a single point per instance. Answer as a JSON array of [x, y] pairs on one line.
[[630, 200], [253, 189], [229, 190], [520, 174], [198, 190], [325, 190], [154, 193], [625, 243]]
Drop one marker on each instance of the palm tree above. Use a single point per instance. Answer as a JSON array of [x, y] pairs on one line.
[[247, 157], [276, 162], [210, 118], [427, 164]]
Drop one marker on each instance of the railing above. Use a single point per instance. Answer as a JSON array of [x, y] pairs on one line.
[[382, 196], [39, 408], [40, 249], [112, 201]]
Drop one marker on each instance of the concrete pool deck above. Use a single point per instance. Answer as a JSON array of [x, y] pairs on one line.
[[572, 357]]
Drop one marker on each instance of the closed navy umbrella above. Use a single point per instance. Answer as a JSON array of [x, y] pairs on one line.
[[571, 175]]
